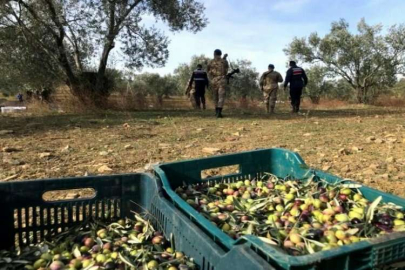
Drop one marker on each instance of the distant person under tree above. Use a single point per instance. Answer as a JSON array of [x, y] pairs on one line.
[[20, 97]]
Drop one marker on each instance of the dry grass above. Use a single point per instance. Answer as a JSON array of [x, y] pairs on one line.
[[390, 101], [81, 143], [134, 134], [324, 104]]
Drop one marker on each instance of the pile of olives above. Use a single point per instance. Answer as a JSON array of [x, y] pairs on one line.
[[125, 244], [300, 216]]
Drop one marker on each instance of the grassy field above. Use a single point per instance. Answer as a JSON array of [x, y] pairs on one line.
[[357, 142]]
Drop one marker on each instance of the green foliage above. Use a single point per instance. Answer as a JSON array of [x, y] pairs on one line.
[[399, 89], [245, 84], [317, 83], [22, 67], [340, 90], [367, 60], [155, 85]]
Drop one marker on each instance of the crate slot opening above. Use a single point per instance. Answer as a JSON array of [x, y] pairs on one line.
[[220, 171]]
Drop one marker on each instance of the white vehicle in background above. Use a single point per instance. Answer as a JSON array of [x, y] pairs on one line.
[[12, 109]]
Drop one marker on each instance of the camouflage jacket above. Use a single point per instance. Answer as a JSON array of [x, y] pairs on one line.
[[270, 80], [217, 68]]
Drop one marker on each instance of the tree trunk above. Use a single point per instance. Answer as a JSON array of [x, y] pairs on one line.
[[101, 90], [361, 94]]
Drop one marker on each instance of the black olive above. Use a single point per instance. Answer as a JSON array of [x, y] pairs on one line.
[[314, 234], [355, 221], [109, 266]]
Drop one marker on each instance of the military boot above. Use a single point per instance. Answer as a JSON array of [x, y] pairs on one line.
[[204, 106], [271, 110], [267, 108], [216, 111]]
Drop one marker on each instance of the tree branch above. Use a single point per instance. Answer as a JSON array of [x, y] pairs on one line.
[[63, 58], [128, 11], [339, 70], [36, 17], [76, 50]]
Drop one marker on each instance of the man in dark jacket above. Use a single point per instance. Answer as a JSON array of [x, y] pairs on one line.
[[200, 80], [297, 79]]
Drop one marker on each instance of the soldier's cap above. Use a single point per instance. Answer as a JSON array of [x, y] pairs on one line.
[[293, 63], [271, 66], [217, 52], [199, 66]]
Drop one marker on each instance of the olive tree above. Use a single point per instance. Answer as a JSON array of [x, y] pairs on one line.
[[245, 84], [367, 60], [82, 32], [23, 69], [154, 85], [318, 84]]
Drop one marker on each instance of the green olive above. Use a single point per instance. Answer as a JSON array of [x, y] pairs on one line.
[[76, 263], [179, 255], [342, 217], [399, 215], [86, 263], [153, 264], [295, 238], [340, 235], [101, 258], [47, 257], [346, 191], [39, 263], [398, 222]]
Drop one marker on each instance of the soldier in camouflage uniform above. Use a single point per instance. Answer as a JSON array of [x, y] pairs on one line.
[[217, 70], [269, 85]]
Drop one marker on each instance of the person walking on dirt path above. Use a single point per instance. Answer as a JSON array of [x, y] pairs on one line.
[[200, 80], [217, 70], [269, 85], [297, 79]]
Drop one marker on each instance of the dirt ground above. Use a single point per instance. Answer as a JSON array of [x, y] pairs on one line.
[[358, 142]]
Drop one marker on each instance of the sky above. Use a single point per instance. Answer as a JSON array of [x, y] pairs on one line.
[[259, 30]]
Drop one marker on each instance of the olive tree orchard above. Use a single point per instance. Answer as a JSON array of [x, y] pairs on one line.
[[367, 60], [74, 34]]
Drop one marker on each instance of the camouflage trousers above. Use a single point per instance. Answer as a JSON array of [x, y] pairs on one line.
[[270, 97], [219, 92]]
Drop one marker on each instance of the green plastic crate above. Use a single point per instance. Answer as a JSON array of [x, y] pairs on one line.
[[280, 162], [25, 218]]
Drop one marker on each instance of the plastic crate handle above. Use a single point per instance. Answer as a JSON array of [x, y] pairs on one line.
[[21, 192], [248, 160], [68, 192]]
